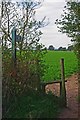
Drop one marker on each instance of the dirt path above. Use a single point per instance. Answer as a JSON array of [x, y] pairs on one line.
[[71, 111]]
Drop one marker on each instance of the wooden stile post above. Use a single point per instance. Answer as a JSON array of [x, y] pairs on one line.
[[60, 88], [63, 89]]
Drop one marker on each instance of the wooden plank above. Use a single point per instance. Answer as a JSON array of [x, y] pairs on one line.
[[52, 82]]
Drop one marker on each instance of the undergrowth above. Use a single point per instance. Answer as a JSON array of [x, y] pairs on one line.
[[34, 105]]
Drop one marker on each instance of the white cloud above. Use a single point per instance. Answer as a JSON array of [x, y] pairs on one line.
[[51, 1], [52, 9]]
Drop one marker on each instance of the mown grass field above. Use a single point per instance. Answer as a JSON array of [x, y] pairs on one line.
[[52, 59]]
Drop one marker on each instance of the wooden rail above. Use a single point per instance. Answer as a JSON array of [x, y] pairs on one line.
[[43, 84]]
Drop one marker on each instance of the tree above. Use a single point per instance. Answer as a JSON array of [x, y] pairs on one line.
[[69, 23], [62, 48], [70, 47], [51, 47], [30, 67], [22, 17]]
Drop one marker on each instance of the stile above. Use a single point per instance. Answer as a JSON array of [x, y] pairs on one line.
[[62, 84]]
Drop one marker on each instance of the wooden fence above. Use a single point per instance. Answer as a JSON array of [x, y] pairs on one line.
[[62, 84]]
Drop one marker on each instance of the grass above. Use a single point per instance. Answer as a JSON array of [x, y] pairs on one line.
[[52, 59], [35, 105], [38, 105]]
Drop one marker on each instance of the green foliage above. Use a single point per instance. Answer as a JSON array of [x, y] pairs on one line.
[[70, 19], [27, 70], [25, 75], [52, 59], [70, 24], [34, 105]]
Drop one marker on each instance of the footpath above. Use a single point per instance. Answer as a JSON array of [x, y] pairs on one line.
[[73, 107]]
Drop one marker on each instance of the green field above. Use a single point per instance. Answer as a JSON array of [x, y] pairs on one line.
[[52, 59]]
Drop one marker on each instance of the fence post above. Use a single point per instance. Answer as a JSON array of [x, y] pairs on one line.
[[60, 88], [63, 89]]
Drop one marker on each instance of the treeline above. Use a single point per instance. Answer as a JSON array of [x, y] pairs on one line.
[[70, 48]]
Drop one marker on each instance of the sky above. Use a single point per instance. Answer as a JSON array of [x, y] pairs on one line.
[[52, 9]]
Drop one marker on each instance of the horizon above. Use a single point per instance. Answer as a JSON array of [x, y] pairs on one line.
[[52, 10], [50, 35]]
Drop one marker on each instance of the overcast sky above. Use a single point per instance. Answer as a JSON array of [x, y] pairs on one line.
[[52, 9]]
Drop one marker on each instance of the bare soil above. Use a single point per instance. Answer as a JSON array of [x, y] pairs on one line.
[[72, 109]]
